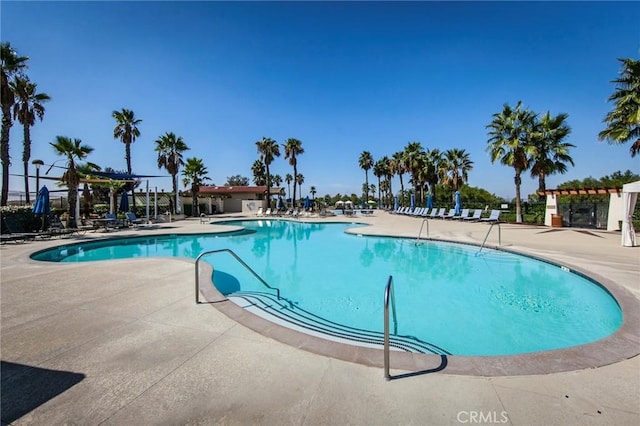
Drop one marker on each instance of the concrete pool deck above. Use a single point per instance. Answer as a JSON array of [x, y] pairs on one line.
[[123, 342]]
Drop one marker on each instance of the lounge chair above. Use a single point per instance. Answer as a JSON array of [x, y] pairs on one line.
[[268, 212], [260, 213], [463, 214], [434, 213], [442, 212], [425, 212], [133, 220], [450, 215], [15, 231], [475, 216], [493, 217]]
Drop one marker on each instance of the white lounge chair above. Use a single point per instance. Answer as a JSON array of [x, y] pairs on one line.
[[493, 217], [475, 216], [463, 214], [260, 213]]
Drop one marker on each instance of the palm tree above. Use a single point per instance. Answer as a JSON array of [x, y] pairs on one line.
[[11, 65], [379, 171], [73, 150], [277, 180], [288, 178], [457, 166], [292, 149], [366, 162], [623, 122], [414, 161], [299, 181], [510, 134], [432, 169], [194, 173], [550, 152], [313, 192], [258, 173], [170, 149], [28, 106], [268, 150], [127, 131], [399, 168]]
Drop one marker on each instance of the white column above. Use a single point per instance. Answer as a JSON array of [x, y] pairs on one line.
[[551, 208]]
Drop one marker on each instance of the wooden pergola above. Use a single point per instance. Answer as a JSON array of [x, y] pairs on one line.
[[581, 191]]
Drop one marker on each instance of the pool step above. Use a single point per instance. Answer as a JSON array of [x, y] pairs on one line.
[[288, 314]]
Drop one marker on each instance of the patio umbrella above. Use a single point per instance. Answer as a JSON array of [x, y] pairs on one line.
[[42, 206], [429, 201], [458, 206], [124, 202], [413, 201], [280, 203], [395, 203], [307, 203]]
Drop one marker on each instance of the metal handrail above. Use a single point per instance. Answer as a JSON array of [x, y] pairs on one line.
[[388, 294], [420, 232], [242, 262], [487, 236]]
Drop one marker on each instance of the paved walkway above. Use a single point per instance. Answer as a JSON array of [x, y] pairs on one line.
[[122, 342]]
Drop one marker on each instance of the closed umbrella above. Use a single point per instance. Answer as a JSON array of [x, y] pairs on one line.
[[413, 201], [307, 203], [42, 206], [280, 203], [430, 201], [458, 206], [124, 202], [395, 203]]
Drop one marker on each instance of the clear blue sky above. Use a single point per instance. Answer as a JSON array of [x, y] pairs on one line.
[[340, 77]]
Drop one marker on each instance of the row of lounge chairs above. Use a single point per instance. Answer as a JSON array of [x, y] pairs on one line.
[[280, 213], [442, 213], [14, 230]]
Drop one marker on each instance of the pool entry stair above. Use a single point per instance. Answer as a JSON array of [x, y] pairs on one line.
[[285, 312], [273, 306]]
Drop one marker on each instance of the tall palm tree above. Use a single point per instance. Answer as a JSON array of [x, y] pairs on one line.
[[457, 165], [399, 168], [510, 135], [259, 177], [277, 180], [366, 162], [194, 174], [11, 65], [268, 150], [288, 178], [313, 192], [299, 181], [292, 149], [170, 149], [127, 131], [550, 152], [73, 150], [379, 171], [623, 122], [432, 169], [414, 161], [27, 108]]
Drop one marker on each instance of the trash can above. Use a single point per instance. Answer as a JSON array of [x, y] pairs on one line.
[[556, 221]]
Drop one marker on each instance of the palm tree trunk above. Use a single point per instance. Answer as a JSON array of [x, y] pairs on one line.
[[295, 177], [174, 183], [72, 198], [542, 185], [26, 154], [401, 189], [4, 150], [518, 181]]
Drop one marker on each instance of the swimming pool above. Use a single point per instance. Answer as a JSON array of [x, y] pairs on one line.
[[449, 297]]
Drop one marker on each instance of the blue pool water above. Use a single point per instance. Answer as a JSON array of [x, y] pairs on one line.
[[492, 303]]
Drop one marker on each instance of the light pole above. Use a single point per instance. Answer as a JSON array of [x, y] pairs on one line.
[[38, 164]]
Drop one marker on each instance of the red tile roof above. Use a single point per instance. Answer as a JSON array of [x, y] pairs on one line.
[[218, 190]]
